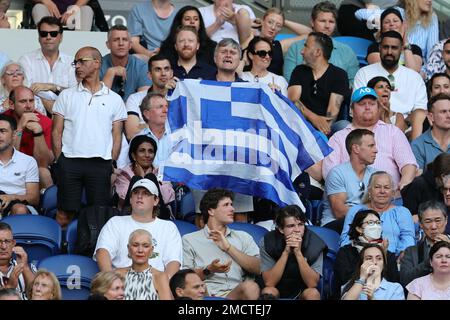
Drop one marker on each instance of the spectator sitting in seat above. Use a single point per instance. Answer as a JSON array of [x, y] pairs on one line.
[[188, 66], [445, 189], [15, 272], [9, 294], [439, 59], [433, 220], [111, 249], [189, 16], [74, 14], [141, 153], [439, 83], [392, 20], [48, 70], [226, 57], [142, 280], [368, 281], [150, 22], [426, 186], [19, 175], [397, 222], [409, 92], [45, 286], [436, 284], [346, 183], [13, 76], [323, 19], [394, 152], [219, 255], [107, 285], [187, 284], [121, 72], [291, 257], [364, 229], [383, 88], [34, 132]]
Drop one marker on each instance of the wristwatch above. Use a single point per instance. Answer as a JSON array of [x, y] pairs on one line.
[[408, 47], [206, 272], [58, 90], [38, 134]]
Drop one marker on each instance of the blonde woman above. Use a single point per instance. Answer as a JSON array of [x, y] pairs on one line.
[[107, 285], [45, 286]]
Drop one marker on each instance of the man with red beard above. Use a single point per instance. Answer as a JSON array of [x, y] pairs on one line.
[[33, 135], [188, 67]]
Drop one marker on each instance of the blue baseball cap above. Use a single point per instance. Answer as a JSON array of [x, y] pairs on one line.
[[363, 92]]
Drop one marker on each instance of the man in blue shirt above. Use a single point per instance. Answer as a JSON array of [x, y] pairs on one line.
[[323, 19], [436, 139], [121, 72]]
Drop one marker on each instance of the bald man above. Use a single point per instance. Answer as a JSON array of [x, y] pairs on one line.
[[86, 137]]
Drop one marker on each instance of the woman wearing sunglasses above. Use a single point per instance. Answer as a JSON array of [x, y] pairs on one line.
[[259, 54], [397, 221], [364, 229]]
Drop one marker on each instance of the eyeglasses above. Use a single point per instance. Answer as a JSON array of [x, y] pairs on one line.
[[14, 73], [391, 79], [82, 61], [263, 53], [274, 25], [8, 242], [372, 222], [44, 34]]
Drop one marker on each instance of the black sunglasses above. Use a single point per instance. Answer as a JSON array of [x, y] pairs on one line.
[[44, 34], [263, 53]]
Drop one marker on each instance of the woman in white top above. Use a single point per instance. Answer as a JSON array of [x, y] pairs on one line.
[[142, 281], [260, 53]]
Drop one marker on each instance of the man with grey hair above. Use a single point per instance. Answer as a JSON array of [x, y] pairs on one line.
[[121, 72], [227, 56], [433, 221]]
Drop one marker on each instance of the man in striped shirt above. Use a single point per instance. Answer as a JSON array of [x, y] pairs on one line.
[[15, 272]]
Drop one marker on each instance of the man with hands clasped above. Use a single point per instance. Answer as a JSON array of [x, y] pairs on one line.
[[219, 255], [15, 272], [291, 257]]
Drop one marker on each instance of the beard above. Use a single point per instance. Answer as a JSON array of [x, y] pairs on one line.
[[388, 63]]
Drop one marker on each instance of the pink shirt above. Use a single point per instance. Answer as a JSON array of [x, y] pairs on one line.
[[394, 151], [424, 288], [124, 178]]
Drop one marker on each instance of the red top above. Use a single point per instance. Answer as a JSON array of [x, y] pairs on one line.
[[27, 141]]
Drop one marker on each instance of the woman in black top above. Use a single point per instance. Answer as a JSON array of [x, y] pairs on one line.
[[189, 16], [392, 20]]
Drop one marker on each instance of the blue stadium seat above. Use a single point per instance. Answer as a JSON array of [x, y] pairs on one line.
[[186, 206], [185, 227], [49, 201], [74, 273], [282, 36], [330, 237], [40, 236], [359, 46], [214, 298], [71, 236], [257, 232]]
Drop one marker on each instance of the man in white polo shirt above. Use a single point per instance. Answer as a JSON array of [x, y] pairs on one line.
[[47, 69], [19, 175], [87, 134]]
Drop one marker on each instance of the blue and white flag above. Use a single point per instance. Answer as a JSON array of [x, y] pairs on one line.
[[240, 136]]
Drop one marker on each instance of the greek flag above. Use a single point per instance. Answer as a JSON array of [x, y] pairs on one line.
[[240, 136]]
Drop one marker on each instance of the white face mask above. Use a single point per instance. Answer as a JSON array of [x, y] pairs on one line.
[[372, 232]]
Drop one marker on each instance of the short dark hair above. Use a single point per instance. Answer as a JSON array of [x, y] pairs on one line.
[[9, 292], [292, 210], [388, 11], [436, 98], [435, 248], [373, 82], [116, 27], [434, 77], [446, 43], [354, 137], [53, 21], [324, 6], [358, 219], [137, 141], [12, 122], [145, 104], [12, 94], [156, 57], [211, 199], [391, 34], [431, 205], [178, 280], [324, 42], [441, 165], [4, 226]]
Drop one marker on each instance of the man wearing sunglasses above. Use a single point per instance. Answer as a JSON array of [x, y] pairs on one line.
[[409, 94], [346, 183], [15, 272], [47, 69], [86, 137]]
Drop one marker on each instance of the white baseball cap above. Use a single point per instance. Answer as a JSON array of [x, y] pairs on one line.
[[147, 184]]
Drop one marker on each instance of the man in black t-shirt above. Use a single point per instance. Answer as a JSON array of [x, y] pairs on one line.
[[318, 87]]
